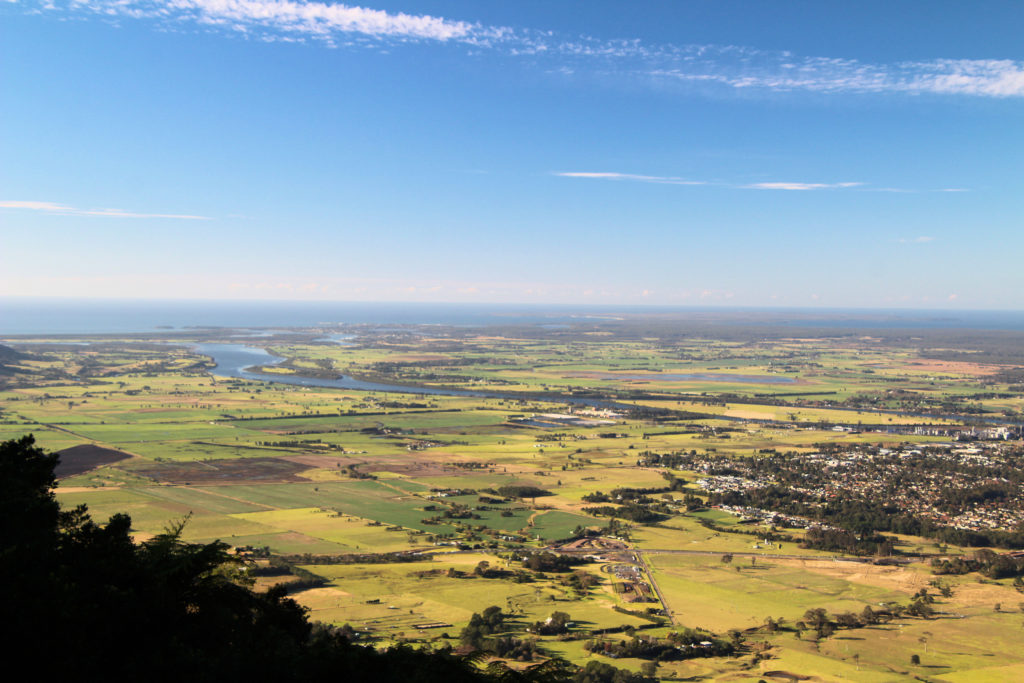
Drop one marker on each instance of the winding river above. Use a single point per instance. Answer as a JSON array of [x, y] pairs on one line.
[[234, 360]]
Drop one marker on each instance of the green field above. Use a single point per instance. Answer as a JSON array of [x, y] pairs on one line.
[[345, 472]]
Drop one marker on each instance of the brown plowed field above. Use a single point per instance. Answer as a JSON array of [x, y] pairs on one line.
[[85, 457]]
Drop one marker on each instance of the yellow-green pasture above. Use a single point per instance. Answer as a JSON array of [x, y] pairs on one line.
[[980, 646], [685, 533], [421, 592], [353, 534], [708, 593], [967, 633]]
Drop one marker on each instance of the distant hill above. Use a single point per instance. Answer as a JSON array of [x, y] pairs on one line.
[[9, 355]]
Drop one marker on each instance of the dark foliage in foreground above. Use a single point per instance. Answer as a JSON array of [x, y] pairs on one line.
[[83, 602]]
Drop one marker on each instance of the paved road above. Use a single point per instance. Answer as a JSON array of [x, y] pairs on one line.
[[657, 589], [900, 559], [642, 560]]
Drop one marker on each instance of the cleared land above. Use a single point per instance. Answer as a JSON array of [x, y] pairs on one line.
[[85, 457], [394, 500]]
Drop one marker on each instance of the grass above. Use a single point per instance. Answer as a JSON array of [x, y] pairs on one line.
[[368, 499], [417, 597], [422, 591], [171, 415], [553, 524], [705, 592], [152, 514], [350, 534], [685, 533], [198, 500]]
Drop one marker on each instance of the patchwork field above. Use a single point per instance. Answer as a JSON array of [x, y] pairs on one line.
[[402, 514]]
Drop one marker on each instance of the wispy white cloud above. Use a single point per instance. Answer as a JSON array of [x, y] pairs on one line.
[[63, 210], [782, 72], [800, 186], [774, 185], [671, 180], [661, 180], [992, 77], [309, 19], [734, 67]]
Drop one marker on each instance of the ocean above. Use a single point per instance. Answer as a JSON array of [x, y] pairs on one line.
[[39, 316]]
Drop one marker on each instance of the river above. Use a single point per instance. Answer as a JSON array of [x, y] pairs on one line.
[[234, 360]]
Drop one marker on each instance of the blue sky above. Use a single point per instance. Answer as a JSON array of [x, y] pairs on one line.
[[689, 153]]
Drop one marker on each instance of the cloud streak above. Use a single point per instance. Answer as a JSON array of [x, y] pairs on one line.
[[320, 20], [63, 210], [734, 67], [783, 72], [670, 180], [799, 186]]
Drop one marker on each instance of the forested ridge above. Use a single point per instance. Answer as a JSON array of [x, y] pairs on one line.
[[84, 601]]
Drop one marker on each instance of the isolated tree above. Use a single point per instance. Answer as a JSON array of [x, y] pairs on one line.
[[559, 621], [847, 620]]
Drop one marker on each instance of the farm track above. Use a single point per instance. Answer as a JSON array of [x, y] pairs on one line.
[[657, 589], [237, 500], [58, 428], [396, 489], [95, 442]]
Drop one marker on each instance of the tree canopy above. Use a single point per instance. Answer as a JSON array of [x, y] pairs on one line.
[[86, 601]]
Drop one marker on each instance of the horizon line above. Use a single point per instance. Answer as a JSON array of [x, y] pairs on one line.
[[28, 298]]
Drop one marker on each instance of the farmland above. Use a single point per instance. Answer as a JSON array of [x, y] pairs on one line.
[[403, 513]]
